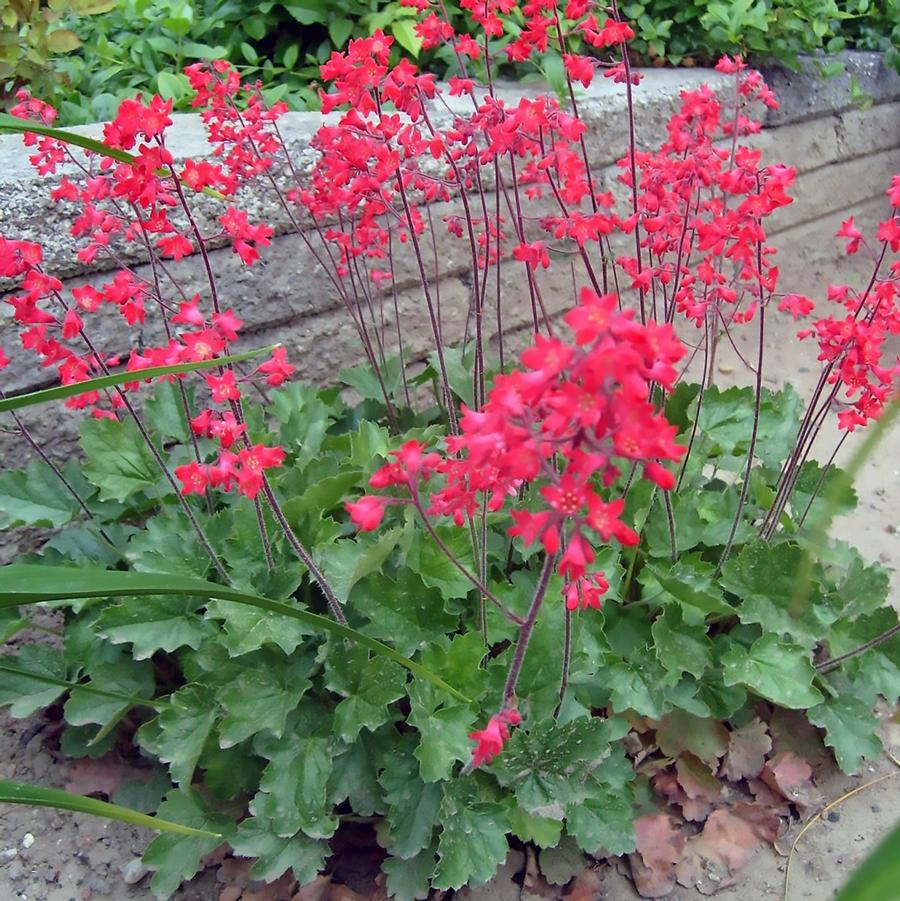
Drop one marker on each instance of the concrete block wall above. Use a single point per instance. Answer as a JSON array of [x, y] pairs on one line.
[[845, 158]]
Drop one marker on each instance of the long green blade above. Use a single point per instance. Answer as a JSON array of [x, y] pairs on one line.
[[121, 378], [90, 689], [21, 126], [30, 583], [36, 796], [878, 877]]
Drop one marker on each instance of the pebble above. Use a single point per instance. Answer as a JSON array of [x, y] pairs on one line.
[[27, 840], [134, 871], [8, 854], [16, 870], [875, 808], [833, 816]]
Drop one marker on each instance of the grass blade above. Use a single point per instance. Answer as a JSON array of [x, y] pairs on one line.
[[60, 392], [21, 126], [90, 689], [36, 796], [29, 583]]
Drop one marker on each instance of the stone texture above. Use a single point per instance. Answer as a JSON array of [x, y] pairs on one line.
[[805, 94]]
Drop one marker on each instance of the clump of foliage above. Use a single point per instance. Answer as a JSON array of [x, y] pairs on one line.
[[699, 31], [283, 43], [33, 34], [574, 601]]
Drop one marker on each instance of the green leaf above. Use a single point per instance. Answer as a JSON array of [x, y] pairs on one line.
[[177, 736], [459, 660], [339, 30], [32, 680], [443, 730], [776, 670], [37, 796], [548, 766], [435, 569], [689, 581], [544, 832], [680, 647], [262, 698], [603, 824], [404, 31], [35, 496], [167, 543], [764, 578], [22, 583], [87, 704], [293, 789], [248, 629], [473, 841], [368, 685], [410, 880], [165, 624], [851, 730], [560, 864], [413, 805], [119, 463], [350, 560], [176, 858], [403, 611], [637, 683], [275, 855], [17, 401], [355, 775]]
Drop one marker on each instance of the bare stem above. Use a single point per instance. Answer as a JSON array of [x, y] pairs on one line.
[[525, 630]]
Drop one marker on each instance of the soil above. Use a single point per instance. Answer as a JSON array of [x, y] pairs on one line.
[[51, 856]]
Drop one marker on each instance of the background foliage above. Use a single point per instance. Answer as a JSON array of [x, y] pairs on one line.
[[142, 45]]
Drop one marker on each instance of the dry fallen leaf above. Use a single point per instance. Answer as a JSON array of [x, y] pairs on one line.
[[791, 775], [713, 858], [313, 891], [658, 848], [705, 738], [103, 776], [698, 781], [585, 886], [747, 749], [792, 731], [764, 820]]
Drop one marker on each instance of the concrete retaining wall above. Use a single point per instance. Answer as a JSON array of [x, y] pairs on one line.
[[845, 157]]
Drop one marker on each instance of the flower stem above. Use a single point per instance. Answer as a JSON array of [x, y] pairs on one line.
[[525, 630]]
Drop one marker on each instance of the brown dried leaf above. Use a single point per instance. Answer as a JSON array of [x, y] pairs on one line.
[[534, 886], [585, 887], [791, 775], [103, 776], [705, 738], [313, 891], [767, 798], [712, 859], [792, 731], [764, 820], [659, 847], [747, 749], [344, 893], [280, 890]]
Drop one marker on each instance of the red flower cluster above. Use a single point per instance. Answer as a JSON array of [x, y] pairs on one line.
[[563, 423], [243, 471], [490, 740]]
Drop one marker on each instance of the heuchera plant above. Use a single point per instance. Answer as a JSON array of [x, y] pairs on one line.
[[586, 580]]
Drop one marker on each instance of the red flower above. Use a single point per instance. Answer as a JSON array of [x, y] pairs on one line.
[[490, 740], [366, 513], [194, 478]]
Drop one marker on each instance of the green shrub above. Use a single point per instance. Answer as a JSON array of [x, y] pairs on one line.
[[284, 42]]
